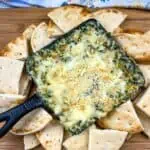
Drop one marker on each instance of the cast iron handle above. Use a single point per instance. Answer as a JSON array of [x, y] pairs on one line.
[[12, 116]]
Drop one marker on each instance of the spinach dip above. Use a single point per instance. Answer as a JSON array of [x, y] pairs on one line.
[[84, 75]]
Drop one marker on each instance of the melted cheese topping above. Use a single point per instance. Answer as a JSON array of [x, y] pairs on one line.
[[80, 84]]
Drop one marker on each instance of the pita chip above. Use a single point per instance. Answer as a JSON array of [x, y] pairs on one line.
[[123, 118], [17, 49], [51, 136], [146, 72], [106, 139], [10, 74], [53, 30], [32, 122], [111, 19], [30, 141], [145, 120], [144, 102], [78, 142], [7, 100], [3, 109], [72, 16], [136, 45], [25, 84], [40, 37], [28, 31], [68, 17]]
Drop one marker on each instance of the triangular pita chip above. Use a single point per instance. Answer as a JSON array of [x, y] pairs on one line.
[[68, 17], [25, 84], [53, 30], [51, 137], [30, 141], [78, 142], [17, 49], [146, 72], [136, 45], [145, 120], [10, 74], [111, 19], [3, 109], [144, 102], [32, 122], [28, 31], [40, 37], [123, 118], [106, 139], [8, 100]]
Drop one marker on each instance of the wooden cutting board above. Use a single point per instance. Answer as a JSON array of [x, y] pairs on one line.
[[12, 24]]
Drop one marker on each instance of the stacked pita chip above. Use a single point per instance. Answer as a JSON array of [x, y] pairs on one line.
[[16, 85], [37, 127], [10, 75], [70, 17]]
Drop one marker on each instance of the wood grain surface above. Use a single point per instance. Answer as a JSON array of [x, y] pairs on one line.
[[12, 24]]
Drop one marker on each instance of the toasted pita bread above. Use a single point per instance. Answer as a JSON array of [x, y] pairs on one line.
[[78, 142], [136, 45], [145, 120], [144, 102], [51, 137], [28, 31], [7, 100], [53, 30], [68, 17], [106, 139], [10, 74], [111, 19], [40, 37], [30, 141], [146, 72], [25, 84], [17, 49], [123, 118], [32, 122], [72, 16], [3, 109], [33, 90]]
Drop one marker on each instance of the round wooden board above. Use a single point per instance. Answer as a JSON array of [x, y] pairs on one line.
[[12, 24]]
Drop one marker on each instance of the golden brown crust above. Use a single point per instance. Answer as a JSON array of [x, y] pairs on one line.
[[28, 31], [53, 29], [17, 49]]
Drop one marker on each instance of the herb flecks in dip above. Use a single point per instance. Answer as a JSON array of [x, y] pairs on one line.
[[84, 75]]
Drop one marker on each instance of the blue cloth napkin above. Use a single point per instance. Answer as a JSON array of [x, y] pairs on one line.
[[145, 4]]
